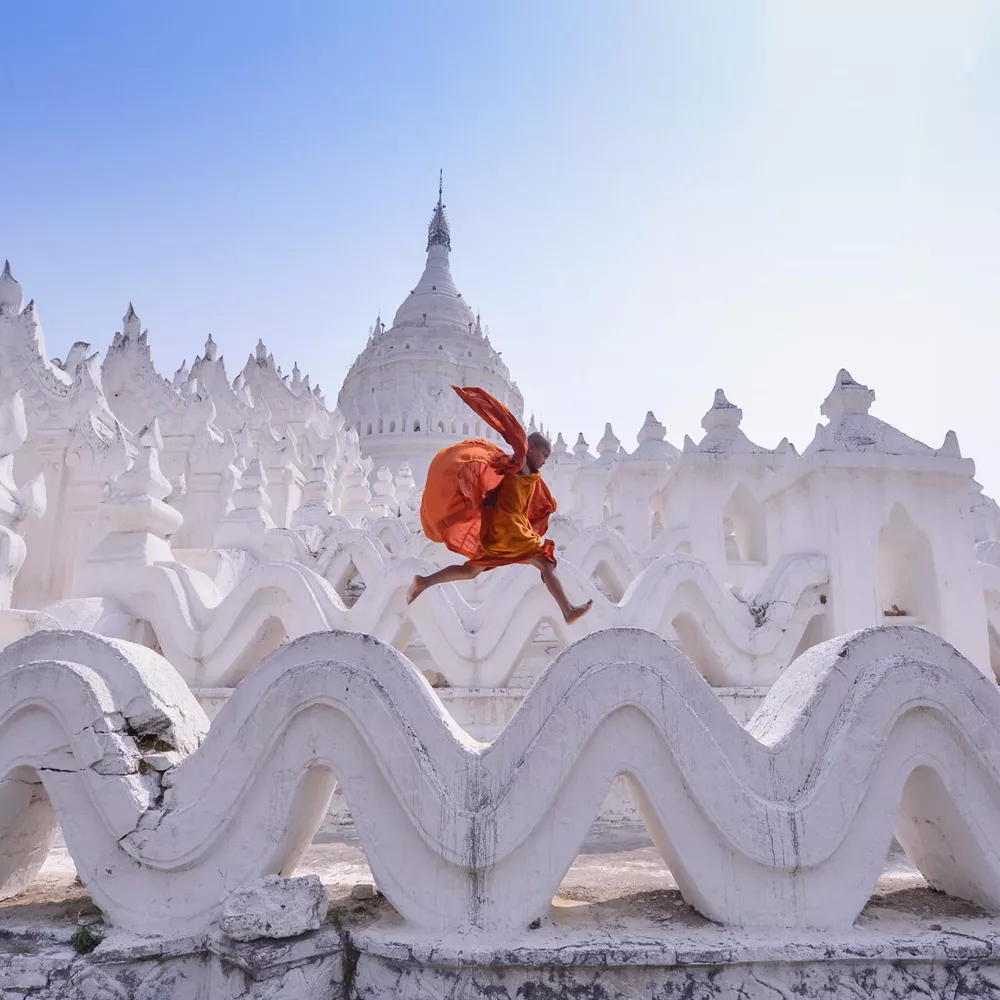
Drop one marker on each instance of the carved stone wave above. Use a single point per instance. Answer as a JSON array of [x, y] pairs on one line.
[[785, 823], [213, 639]]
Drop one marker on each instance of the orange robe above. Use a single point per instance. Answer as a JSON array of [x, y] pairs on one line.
[[476, 501]]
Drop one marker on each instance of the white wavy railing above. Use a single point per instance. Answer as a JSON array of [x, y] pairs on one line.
[[733, 647], [590, 550], [785, 823], [213, 640]]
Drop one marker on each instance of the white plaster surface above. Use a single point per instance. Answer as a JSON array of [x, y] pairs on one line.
[[782, 824]]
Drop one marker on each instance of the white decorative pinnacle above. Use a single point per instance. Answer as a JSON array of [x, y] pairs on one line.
[[249, 521], [609, 445], [950, 448], [317, 498], [211, 349], [78, 354], [137, 502], [11, 295], [252, 494], [852, 428], [651, 430], [131, 326], [846, 396], [405, 484], [722, 414], [722, 431], [385, 489], [581, 448], [653, 444]]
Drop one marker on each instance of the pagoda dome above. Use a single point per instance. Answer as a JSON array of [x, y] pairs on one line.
[[397, 394]]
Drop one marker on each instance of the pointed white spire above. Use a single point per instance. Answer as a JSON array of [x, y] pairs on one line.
[[211, 349], [11, 296], [131, 327]]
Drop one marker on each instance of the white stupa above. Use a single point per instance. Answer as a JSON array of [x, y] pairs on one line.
[[398, 395]]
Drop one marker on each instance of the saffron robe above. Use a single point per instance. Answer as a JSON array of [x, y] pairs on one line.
[[477, 502]]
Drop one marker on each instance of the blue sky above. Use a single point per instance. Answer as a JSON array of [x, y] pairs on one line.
[[648, 200]]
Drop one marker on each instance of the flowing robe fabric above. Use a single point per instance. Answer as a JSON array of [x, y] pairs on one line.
[[475, 500]]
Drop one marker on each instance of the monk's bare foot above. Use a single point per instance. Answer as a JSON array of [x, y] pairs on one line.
[[416, 589], [577, 612]]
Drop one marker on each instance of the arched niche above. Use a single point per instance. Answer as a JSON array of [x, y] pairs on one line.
[[607, 582], [696, 647], [744, 527], [906, 579]]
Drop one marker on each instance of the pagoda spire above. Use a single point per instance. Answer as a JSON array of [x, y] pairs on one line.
[[438, 232]]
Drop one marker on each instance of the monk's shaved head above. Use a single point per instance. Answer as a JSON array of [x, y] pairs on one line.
[[536, 440]]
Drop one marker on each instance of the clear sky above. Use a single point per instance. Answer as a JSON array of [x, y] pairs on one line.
[[648, 200]]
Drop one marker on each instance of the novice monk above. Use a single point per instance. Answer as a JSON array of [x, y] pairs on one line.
[[492, 507]]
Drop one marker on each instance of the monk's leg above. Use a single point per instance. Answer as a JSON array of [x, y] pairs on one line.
[[450, 574], [570, 612]]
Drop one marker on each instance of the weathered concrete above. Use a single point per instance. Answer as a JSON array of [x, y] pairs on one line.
[[618, 928], [274, 908]]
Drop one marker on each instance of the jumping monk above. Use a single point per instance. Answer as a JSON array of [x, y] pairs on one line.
[[491, 507]]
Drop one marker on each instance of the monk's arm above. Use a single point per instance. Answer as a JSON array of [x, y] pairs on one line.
[[540, 508]]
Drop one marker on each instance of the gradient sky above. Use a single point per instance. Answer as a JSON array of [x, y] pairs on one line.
[[648, 200]]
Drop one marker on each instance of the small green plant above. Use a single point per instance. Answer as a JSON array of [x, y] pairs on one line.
[[152, 744], [85, 940]]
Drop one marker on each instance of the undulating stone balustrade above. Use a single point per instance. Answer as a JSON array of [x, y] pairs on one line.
[[214, 638], [783, 824]]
